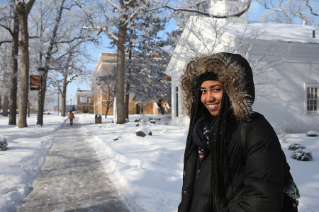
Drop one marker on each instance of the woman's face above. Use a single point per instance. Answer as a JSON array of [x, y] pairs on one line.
[[211, 95]]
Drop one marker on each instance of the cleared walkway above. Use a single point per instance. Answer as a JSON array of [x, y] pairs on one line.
[[72, 178]]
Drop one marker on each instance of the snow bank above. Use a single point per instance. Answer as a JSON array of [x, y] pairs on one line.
[[146, 170], [312, 133], [3, 143], [19, 166]]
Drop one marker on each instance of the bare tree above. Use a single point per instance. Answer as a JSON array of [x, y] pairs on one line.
[[104, 85], [208, 36], [70, 66], [5, 72], [126, 12], [119, 14], [289, 11], [10, 22], [196, 8], [50, 41], [23, 9], [60, 39]]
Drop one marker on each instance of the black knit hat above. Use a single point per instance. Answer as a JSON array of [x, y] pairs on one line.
[[206, 76]]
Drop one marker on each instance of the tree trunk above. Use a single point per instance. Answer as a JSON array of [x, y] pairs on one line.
[[43, 90], [127, 96], [107, 110], [14, 71], [29, 109], [24, 81], [62, 105], [120, 74], [23, 11], [5, 105], [127, 100], [39, 107], [64, 94]]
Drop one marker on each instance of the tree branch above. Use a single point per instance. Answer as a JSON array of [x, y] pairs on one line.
[[69, 8], [311, 10], [88, 15], [32, 37], [114, 5], [129, 3], [7, 28], [96, 28], [209, 15], [5, 41], [131, 18], [268, 7], [69, 41], [101, 29], [29, 6]]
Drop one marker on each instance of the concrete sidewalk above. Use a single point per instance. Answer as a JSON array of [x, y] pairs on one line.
[[72, 178]]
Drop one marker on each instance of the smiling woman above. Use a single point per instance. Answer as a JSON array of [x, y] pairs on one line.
[[218, 93]]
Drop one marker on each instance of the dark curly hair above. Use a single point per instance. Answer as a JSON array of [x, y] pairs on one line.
[[218, 146]]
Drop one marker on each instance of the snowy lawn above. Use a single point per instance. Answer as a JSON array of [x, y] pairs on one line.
[[51, 123], [148, 170], [305, 173], [20, 164]]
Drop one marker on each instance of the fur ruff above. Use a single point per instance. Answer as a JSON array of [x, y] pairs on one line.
[[230, 72]]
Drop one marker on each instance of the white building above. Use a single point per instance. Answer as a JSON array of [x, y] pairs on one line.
[[291, 102]]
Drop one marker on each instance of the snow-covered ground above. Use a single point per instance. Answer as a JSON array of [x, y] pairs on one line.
[[20, 164], [51, 123], [146, 170]]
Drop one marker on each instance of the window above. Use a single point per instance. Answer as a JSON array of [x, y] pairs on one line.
[[312, 96]]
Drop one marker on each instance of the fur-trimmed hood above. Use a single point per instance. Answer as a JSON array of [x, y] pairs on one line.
[[232, 70]]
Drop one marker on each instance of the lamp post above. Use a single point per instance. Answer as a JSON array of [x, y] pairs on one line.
[[41, 72], [28, 107], [58, 100]]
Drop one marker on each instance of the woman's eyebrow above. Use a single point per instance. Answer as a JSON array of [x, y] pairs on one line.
[[210, 86]]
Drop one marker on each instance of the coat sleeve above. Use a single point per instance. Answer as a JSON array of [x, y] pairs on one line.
[[264, 170]]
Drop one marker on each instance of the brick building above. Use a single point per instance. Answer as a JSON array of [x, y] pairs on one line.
[[84, 101], [106, 63]]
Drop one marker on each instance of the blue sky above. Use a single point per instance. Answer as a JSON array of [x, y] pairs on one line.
[[254, 12]]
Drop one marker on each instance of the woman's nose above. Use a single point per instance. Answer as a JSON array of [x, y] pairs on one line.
[[210, 97]]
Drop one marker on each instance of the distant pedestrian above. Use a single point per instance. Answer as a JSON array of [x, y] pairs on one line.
[[71, 117]]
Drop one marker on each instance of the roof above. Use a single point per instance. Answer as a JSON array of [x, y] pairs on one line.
[[275, 31], [84, 93]]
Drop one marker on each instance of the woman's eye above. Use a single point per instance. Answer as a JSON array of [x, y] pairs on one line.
[[203, 91]]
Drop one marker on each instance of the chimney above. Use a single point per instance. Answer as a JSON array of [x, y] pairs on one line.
[[313, 33]]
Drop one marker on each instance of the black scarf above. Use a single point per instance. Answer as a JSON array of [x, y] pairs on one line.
[[203, 130]]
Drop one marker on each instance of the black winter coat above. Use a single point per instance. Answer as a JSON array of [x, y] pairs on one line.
[[257, 181]]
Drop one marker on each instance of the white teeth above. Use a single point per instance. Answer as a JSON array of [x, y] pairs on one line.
[[211, 106]]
